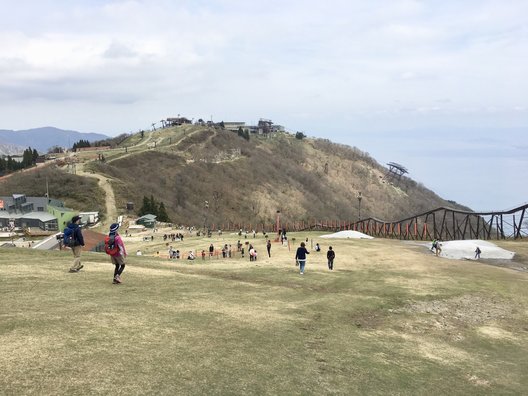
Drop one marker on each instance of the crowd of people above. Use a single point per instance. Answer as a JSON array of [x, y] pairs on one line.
[[115, 248]]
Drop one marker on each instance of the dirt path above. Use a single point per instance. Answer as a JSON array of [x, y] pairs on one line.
[[104, 182], [111, 208], [147, 140]]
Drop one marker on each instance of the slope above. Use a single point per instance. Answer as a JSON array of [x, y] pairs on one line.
[[248, 181]]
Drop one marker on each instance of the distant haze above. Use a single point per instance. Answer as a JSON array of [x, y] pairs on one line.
[[42, 139]]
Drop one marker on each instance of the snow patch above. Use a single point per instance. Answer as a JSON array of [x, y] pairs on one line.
[[466, 250], [348, 234]]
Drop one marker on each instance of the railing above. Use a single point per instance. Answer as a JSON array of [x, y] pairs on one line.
[[443, 223], [450, 224]]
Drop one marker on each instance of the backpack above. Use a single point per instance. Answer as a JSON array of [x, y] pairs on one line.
[[68, 237], [111, 247]]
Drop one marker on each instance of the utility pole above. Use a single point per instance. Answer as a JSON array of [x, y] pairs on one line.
[[278, 223], [206, 212], [359, 198]]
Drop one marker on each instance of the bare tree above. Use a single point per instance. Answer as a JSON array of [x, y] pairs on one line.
[[217, 197]]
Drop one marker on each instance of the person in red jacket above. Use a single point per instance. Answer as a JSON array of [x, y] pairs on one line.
[[118, 259]]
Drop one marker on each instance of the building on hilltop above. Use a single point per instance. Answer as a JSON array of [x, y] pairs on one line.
[[176, 121], [234, 125], [266, 126]]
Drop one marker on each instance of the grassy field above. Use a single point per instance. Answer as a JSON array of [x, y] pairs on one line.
[[390, 319]]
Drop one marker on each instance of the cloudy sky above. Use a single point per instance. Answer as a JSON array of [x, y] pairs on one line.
[[438, 86]]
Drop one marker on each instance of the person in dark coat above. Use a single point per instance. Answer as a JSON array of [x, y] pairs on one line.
[[300, 257], [77, 243], [330, 256]]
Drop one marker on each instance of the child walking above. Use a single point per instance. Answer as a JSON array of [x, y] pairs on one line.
[[118, 258]]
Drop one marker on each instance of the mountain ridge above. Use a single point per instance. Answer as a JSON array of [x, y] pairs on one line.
[[43, 138], [205, 175]]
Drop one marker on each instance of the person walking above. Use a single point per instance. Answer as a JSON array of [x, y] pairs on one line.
[[76, 244], [477, 253], [118, 258], [438, 248], [300, 257], [433, 245], [268, 248], [330, 256]]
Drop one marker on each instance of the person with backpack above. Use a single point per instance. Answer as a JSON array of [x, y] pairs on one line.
[[330, 256], [115, 248], [73, 238]]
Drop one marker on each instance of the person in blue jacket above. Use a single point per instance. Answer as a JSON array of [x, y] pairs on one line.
[[300, 257], [77, 243]]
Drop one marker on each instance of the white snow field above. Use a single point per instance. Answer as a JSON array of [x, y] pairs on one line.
[[466, 250]]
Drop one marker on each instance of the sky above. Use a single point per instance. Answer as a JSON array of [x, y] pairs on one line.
[[439, 87]]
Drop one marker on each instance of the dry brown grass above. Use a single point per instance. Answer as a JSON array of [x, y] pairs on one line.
[[391, 319]]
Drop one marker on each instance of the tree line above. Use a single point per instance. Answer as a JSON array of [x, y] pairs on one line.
[[151, 206], [9, 165]]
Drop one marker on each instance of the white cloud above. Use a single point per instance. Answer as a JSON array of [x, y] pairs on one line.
[[322, 67]]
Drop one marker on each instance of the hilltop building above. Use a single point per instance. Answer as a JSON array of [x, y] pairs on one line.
[[175, 121], [263, 127], [234, 125]]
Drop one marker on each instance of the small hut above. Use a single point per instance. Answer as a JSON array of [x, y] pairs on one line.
[[149, 220]]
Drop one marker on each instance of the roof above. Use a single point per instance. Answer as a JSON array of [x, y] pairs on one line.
[[36, 201], [149, 217], [4, 214], [42, 216]]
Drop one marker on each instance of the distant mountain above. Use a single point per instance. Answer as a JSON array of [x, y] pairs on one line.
[[44, 138], [11, 149]]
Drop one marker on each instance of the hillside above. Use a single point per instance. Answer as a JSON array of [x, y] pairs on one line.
[[246, 181]]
